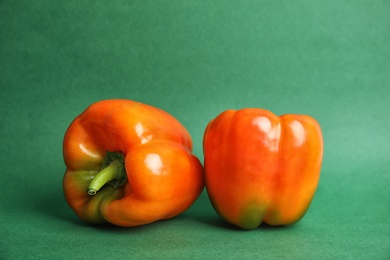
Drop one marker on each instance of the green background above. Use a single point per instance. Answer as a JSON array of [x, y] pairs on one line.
[[194, 59]]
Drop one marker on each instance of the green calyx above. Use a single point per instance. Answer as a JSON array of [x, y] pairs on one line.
[[112, 172]]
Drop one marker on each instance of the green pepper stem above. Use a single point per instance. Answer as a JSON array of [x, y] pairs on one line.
[[111, 172]]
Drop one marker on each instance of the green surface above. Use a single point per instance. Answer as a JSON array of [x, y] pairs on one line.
[[194, 59]]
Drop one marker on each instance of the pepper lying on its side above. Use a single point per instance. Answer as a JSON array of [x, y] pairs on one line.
[[129, 164]]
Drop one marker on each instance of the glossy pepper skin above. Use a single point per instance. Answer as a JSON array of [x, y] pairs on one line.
[[260, 167], [129, 164]]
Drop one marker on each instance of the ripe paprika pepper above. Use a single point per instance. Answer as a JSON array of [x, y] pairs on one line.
[[129, 164], [260, 167]]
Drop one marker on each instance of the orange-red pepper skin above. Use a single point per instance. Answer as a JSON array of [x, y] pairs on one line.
[[164, 178], [260, 167]]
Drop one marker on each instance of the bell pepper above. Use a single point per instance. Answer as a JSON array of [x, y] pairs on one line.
[[129, 164], [260, 167]]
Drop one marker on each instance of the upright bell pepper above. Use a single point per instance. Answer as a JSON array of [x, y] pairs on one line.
[[129, 164], [260, 167]]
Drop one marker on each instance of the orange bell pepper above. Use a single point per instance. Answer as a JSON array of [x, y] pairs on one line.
[[129, 164], [260, 167]]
